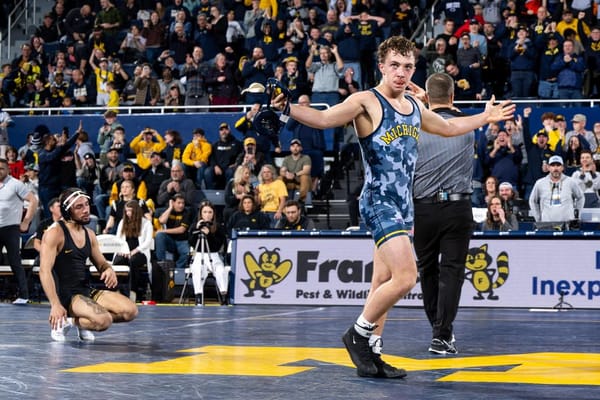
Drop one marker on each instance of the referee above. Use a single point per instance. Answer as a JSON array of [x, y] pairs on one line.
[[443, 216]]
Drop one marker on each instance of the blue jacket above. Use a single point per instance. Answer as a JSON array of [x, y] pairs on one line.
[[570, 75]]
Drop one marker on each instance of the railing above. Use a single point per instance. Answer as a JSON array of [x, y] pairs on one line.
[[245, 107], [22, 8]]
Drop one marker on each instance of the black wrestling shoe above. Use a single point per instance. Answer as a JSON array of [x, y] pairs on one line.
[[360, 352], [385, 370]]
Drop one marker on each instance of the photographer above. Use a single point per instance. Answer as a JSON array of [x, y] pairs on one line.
[[251, 157], [208, 237]]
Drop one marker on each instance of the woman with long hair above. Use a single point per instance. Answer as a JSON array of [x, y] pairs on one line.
[[137, 232], [208, 237], [271, 194], [174, 149], [237, 187], [498, 219], [490, 188], [248, 216]]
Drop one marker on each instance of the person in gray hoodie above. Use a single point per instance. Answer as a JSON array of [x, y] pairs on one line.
[[555, 197]]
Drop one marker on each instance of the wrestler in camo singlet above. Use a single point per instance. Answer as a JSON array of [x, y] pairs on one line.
[[389, 159]]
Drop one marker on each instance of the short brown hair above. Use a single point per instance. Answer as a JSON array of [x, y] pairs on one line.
[[397, 44]]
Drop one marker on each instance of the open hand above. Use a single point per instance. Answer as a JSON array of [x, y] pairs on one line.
[[499, 112]]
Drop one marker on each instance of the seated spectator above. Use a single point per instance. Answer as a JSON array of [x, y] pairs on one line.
[[251, 157], [196, 156], [208, 257], [109, 175], [271, 194], [248, 216], [172, 237], [579, 130], [572, 155], [126, 194], [294, 219], [178, 184], [15, 165], [490, 188], [555, 197], [588, 179], [154, 176], [498, 219], [295, 170], [128, 173], [137, 231], [511, 202], [144, 144], [237, 187], [174, 147], [467, 85]]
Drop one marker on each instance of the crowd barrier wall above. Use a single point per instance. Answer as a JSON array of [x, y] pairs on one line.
[[504, 269], [209, 121]]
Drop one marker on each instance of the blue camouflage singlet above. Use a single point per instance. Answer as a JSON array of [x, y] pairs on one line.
[[389, 159]]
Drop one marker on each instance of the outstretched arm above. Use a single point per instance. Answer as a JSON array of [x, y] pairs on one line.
[[433, 123]]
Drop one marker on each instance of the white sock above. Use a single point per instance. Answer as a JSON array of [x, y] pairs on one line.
[[376, 344], [364, 327]]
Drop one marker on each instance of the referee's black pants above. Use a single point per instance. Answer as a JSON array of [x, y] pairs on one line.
[[441, 240]]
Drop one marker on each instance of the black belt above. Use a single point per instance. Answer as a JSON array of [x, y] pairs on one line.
[[436, 199]]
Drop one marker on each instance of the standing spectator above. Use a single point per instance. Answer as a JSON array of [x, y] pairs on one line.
[[5, 122], [12, 223], [539, 150], [196, 156], [155, 32], [173, 236], [256, 70], [222, 82], [79, 91], [251, 16], [109, 174], [195, 73], [592, 61], [522, 61], [222, 159], [16, 167], [205, 37], [144, 144], [457, 11], [588, 179], [103, 76], [79, 23], [556, 196], [106, 134], [49, 161], [548, 86], [109, 19], [326, 74], [133, 46], [368, 29], [569, 68], [147, 89]]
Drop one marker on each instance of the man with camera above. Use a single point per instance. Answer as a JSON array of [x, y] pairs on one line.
[[251, 157]]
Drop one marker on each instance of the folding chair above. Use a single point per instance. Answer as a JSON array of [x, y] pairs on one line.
[[111, 246]]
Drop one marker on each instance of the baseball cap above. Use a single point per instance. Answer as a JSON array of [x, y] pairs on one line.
[[32, 167], [128, 167], [296, 141], [555, 160], [505, 185], [474, 21], [255, 87], [542, 133], [559, 117], [224, 125], [249, 140], [579, 118]]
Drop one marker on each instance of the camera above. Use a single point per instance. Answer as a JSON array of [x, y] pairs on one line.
[[204, 224], [250, 150]]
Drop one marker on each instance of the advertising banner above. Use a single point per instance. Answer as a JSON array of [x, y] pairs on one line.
[[499, 272]]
